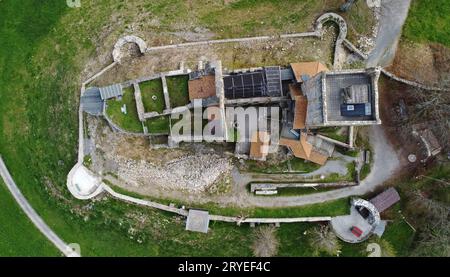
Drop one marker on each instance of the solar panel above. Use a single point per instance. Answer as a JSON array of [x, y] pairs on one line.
[[244, 85]]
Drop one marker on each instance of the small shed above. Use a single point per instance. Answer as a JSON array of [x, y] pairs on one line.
[[385, 200], [197, 221]]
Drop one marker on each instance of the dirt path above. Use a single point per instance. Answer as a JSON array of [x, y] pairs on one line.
[[393, 16]]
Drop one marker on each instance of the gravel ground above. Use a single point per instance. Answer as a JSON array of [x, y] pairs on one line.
[[192, 168], [192, 173]]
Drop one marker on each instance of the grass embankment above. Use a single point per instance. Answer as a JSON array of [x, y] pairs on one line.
[[177, 87], [360, 20], [363, 143], [428, 21], [296, 165], [425, 203], [250, 17], [152, 96], [18, 235], [302, 190], [330, 208], [129, 121], [333, 133]]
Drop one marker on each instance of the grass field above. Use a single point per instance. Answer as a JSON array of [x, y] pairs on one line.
[[158, 125], [18, 235], [149, 90], [130, 121], [251, 17], [45, 48], [428, 21], [178, 90], [330, 208]]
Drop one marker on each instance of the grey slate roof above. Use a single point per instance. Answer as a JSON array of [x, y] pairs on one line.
[[313, 90], [111, 91], [322, 146], [91, 101], [385, 199], [286, 74], [197, 221], [273, 79]]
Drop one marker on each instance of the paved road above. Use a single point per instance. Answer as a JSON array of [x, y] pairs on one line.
[[393, 16], [31, 213], [385, 165]]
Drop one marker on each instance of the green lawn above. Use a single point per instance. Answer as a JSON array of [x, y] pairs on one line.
[[250, 17], [149, 89], [18, 235], [428, 21], [400, 235], [302, 191], [129, 121], [330, 208], [158, 125], [178, 90], [297, 165]]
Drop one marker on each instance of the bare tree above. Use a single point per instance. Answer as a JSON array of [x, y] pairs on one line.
[[433, 107], [324, 240], [266, 242], [434, 234]]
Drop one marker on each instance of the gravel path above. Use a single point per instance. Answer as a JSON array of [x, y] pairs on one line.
[[393, 16], [32, 215]]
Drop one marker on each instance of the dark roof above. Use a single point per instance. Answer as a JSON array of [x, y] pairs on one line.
[[260, 83], [352, 110], [91, 101], [245, 85], [385, 199]]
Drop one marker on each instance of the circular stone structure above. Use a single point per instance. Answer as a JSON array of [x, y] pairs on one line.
[[412, 158], [363, 215], [82, 183], [117, 51]]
